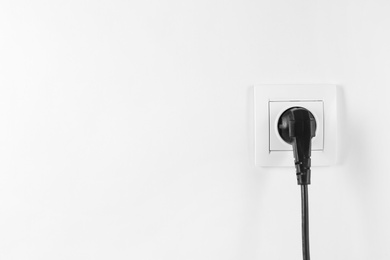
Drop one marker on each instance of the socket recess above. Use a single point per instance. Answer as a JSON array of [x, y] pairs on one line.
[[272, 100], [276, 109]]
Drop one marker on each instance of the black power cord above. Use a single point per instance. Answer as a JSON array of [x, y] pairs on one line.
[[297, 127], [305, 222]]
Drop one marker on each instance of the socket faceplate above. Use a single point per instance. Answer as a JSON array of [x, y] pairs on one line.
[[272, 100]]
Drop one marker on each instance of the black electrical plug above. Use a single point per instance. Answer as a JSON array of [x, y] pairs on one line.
[[297, 126]]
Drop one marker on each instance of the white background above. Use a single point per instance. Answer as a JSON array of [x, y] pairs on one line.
[[126, 129]]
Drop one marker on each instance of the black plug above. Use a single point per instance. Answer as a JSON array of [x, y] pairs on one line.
[[297, 126]]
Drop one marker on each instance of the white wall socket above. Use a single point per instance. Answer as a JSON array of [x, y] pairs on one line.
[[272, 100]]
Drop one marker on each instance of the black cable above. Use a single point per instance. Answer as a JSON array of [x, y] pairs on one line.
[[305, 222], [297, 126]]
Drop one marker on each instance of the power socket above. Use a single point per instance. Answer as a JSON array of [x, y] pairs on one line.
[[272, 100], [276, 109]]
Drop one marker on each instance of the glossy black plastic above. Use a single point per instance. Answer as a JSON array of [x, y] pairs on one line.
[[297, 126]]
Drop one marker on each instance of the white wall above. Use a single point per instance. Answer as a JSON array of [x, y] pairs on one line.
[[126, 129]]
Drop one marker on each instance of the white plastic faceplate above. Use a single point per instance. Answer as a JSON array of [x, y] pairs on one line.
[[272, 100]]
